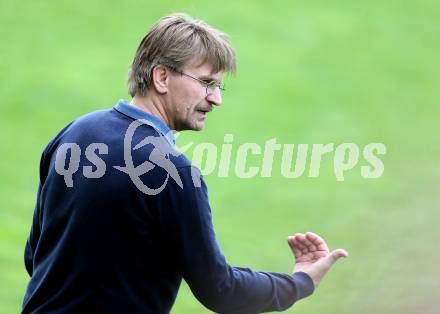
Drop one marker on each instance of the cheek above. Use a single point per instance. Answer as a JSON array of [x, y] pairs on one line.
[[187, 103], [179, 100], [185, 100], [182, 107]]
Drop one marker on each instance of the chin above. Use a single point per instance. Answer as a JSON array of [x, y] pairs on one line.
[[193, 127], [198, 127]]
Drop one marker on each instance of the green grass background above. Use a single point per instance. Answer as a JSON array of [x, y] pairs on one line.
[[308, 72]]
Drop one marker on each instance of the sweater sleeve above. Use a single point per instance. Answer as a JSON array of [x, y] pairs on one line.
[[217, 285], [34, 233]]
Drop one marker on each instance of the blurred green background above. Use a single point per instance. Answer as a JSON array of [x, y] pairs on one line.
[[308, 72]]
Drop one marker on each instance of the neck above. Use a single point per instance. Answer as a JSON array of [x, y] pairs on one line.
[[152, 106]]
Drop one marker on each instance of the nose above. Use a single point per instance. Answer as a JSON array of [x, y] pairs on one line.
[[215, 97]]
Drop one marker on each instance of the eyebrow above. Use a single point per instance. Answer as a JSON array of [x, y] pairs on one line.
[[208, 78]]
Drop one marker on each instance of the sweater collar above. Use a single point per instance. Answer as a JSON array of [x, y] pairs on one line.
[[136, 113]]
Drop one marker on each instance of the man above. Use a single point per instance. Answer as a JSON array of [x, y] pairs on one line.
[[114, 232]]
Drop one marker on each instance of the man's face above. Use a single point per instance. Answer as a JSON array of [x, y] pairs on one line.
[[188, 99]]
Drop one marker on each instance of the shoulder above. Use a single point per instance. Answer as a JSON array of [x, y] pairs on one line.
[[80, 125], [92, 119]]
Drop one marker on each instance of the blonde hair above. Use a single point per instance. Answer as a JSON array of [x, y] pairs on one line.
[[173, 41]]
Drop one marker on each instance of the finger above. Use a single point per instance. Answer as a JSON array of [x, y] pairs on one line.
[[317, 241], [309, 244], [296, 251], [299, 243], [313, 237], [300, 236], [290, 241]]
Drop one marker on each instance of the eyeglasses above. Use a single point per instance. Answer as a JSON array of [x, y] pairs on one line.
[[210, 86]]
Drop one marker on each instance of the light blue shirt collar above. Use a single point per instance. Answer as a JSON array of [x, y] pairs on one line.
[[134, 112]]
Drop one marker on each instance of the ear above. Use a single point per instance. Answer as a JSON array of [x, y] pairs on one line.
[[160, 79]]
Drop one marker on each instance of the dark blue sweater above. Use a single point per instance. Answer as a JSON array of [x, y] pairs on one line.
[[99, 244]]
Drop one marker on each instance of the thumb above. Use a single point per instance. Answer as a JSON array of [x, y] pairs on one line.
[[335, 255], [318, 270]]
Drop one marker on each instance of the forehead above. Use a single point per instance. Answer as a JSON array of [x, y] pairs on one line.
[[203, 69]]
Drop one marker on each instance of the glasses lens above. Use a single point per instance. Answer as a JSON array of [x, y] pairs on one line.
[[212, 87]]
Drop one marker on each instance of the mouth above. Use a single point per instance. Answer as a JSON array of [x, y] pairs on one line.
[[203, 112]]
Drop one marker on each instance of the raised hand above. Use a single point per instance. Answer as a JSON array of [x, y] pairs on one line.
[[312, 255]]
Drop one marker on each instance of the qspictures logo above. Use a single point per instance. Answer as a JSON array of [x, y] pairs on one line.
[[228, 159]]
